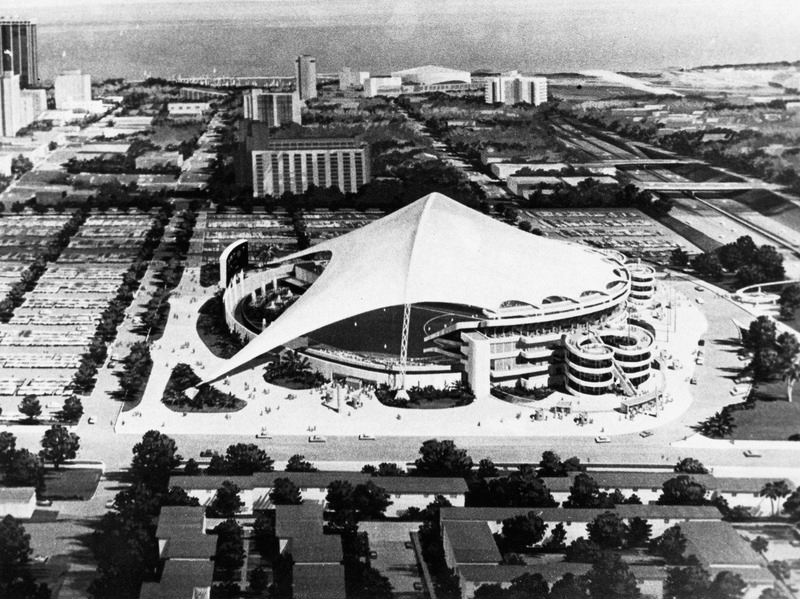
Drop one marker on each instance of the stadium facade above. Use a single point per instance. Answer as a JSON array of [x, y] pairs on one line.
[[502, 306]]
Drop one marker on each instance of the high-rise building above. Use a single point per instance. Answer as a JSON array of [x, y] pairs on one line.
[[306, 76], [515, 89], [294, 164], [273, 108], [10, 105], [72, 88], [19, 49]]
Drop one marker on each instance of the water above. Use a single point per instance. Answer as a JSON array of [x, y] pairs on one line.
[[164, 38]]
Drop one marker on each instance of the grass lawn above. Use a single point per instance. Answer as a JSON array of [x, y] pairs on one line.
[[773, 418], [173, 133], [71, 483]]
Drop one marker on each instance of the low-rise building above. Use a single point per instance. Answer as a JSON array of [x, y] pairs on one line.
[[382, 85], [181, 579], [158, 159], [19, 502], [72, 87], [188, 109], [404, 491], [432, 75], [349, 78]]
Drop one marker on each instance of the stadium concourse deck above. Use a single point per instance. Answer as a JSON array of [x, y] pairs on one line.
[[269, 409]]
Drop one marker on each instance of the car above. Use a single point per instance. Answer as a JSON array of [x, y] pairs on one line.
[[316, 439], [700, 360], [645, 434], [693, 381], [366, 437], [44, 502], [111, 504], [700, 300], [602, 439], [111, 364], [91, 420], [263, 434], [699, 288], [750, 453], [40, 559], [701, 342]]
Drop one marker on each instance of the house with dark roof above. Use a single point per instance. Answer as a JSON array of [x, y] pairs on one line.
[[719, 547], [318, 581], [469, 542], [181, 534], [660, 517], [403, 491], [181, 580]]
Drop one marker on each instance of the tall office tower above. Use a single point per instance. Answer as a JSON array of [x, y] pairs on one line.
[[10, 105], [292, 165], [19, 49], [34, 103], [273, 108], [306, 76], [515, 89], [72, 87]]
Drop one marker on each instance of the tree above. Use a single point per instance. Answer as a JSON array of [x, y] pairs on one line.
[[297, 463], [530, 585], [369, 500], [365, 582], [259, 579], [670, 545], [31, 407], [759, 545], [388, 469], [191, 467], [24, 470], [707, 264], [242, 459], [717, 426], [690, 466], [726, 585], [791, 507], [15, 547], [639, 531], [285, 492], [607, 531], [610, 576], [690, 582], [59, 445], [771, 593], [551, 465], [154, 459], [762, 333], [791, 374], [486, 467], [226, 502], [340, 496], [8, 446], [264, 535], [569, 586], [582, 550], [775, 491], [177, 496], [584, 493], [682, 490], [72, 410], [230, 554], [555, 542], [521, 532], [789, 300], [679, 258], [20, 165], [442, 458]]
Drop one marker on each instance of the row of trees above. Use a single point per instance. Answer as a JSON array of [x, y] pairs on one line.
[[591, 193], [751, 263]]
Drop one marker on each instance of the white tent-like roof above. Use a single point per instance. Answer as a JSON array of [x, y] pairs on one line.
[[434, 250]]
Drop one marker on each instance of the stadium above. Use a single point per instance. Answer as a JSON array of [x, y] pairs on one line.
[[437, 293]]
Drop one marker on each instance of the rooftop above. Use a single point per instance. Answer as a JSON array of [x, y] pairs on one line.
[[16, 494], [718, 544], [177, 520], [179, 580], [195, 545], [298, 520], [316, 548], [625, 480], [472, 542], [558, 514], [319, 582]]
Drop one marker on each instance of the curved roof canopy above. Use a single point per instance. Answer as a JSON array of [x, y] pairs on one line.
[[434, 250]]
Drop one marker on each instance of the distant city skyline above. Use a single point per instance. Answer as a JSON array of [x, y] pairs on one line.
[[159, 37]]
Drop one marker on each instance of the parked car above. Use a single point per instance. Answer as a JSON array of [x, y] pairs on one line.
[[749, 453], [366, 437], [602, 439], [645, 434], [44, 502], [91, 420], [694, 380], [316, 439], [699, 288], [111, 504]]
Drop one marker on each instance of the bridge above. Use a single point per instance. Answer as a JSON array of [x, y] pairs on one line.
[[705, 186]]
